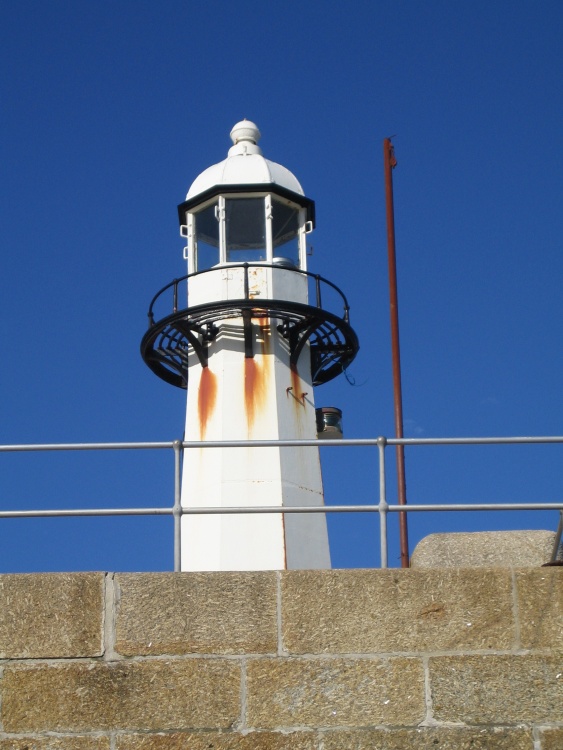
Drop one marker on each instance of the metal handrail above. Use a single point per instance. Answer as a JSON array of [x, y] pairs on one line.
[[383, 508], [317, 278]]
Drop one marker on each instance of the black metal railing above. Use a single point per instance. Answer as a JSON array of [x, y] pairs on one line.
[[319, 281]]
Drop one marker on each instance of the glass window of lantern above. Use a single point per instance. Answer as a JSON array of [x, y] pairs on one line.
[[207, 238], [285, 232], [245, 229]]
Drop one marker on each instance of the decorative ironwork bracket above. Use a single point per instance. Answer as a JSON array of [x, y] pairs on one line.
[[333, 343]]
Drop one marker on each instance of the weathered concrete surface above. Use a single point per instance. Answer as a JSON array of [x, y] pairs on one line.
[[51, 615], [383, 611], [442, 738], [334, 692], [484, 549], [211, 741], [221, 613], [150, 695], [540, 608], [493, 689]]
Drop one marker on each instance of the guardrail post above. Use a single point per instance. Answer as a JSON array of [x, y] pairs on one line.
[[383, 506], [177, 510]]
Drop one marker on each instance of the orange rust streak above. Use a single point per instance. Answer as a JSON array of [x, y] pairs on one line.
[[250, 378], [256, 372], [255, 387], [206, 398]]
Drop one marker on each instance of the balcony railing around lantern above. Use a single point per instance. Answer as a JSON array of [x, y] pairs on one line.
[[382, 507], [177, 329], [317, 284]]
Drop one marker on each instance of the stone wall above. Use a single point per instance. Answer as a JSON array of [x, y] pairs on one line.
[[307, 660]]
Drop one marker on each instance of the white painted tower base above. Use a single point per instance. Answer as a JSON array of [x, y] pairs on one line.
[[260, 398]]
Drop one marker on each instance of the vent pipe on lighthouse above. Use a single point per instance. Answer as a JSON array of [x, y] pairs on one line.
[[250, 345]]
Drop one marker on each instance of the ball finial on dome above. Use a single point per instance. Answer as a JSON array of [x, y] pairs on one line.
[[245, 130]]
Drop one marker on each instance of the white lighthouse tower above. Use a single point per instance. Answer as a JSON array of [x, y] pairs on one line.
[[250, 343]]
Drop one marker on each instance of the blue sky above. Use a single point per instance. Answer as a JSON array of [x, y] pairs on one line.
[[110, 110]]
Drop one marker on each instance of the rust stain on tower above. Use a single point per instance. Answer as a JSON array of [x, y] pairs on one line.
[[256, 374], [255, 388], [206, 398]]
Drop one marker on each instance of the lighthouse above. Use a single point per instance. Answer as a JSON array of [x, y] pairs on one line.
[[250, 332]]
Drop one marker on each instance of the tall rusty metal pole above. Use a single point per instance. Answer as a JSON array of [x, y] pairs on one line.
[[389, 163]]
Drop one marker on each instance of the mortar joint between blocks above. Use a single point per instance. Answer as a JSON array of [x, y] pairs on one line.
[[281, 650], [429, 718], [111, 600], [243, 692], [516, 612]]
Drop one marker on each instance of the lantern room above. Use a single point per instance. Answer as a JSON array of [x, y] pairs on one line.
[[246, 209]]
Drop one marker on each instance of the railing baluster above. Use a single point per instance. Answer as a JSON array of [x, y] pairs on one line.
[[177, 510], [383, 507]]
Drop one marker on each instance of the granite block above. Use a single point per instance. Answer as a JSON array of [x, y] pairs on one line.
[[499, 689], [540, 608], [181, 613], [55, 743], [213, 741], [430, 738], [97, 696], [384, 611], [552, 739], [484, 549], [51, 615], [334, 692]]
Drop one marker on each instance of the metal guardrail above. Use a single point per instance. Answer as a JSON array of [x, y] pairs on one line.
[[383, 508]]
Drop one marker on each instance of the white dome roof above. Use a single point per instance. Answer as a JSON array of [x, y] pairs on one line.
[[244, 165]]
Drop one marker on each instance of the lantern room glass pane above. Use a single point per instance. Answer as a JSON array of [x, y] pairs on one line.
[[245, 226], [207, 238], [285, 232]]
